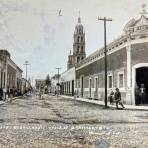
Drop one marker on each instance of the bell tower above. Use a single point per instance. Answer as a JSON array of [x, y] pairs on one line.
[[78, 45], [79, 42], [70, 63]]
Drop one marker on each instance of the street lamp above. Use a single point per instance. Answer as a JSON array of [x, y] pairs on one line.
[[105, 56]]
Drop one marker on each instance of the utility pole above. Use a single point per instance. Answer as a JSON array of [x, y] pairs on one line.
[[105, 56], [58, 73], [32, 81], [26, 64], [58, 68]]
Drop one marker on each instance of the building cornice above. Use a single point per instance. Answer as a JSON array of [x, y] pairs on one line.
[[114, 46]]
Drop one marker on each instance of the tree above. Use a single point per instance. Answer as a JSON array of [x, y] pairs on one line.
[[48, 81]]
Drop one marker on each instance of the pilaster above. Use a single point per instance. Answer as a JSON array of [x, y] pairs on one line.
[[129, 75]]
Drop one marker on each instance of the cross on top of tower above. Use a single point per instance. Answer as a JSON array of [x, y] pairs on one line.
[[79, 19], [143, 11]]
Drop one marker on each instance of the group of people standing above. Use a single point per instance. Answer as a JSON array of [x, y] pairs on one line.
[[140, 95], [116, 97], [10, 93]]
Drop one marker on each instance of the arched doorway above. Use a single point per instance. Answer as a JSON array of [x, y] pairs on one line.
[[142, 79], [140, 76]]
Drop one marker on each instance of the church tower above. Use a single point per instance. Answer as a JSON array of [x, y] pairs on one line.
[[79, 42], [78, 45]]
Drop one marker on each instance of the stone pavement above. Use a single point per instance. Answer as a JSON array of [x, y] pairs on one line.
[[101, 103], [57, 122]]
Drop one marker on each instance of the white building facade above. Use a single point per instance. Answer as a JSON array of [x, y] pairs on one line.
[[127, 64], [10, 73], [67, 82]]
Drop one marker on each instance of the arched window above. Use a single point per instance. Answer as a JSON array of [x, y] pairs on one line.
[[81, 49], [78, 49], [80, 31], [78, 59], [81, 38], [78, 39]]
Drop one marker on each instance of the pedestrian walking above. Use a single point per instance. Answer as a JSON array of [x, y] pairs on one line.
[[55, 92], [4, 94], [75, 95], [40, 93], [118, 98], [11, 93]]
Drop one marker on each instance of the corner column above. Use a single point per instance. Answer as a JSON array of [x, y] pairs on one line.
[[129, 99]]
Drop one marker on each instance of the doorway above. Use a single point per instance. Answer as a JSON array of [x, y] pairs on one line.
[[72, 87], [142, 78]]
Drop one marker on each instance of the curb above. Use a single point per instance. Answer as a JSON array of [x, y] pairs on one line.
[[16, 97], [110, 106]]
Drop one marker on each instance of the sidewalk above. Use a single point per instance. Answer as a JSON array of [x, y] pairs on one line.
[[5, 101], [101, 103], [14, 98]]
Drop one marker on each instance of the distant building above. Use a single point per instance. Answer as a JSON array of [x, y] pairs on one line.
[[78, 55], [10, 73], [26, 85], [39, 83], [54, 83]]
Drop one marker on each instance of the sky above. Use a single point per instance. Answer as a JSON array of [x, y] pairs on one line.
[[32, 30]]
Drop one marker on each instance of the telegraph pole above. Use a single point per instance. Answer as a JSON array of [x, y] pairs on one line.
[[26, 64], [105, 56], [58, 68], [58, 73]]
